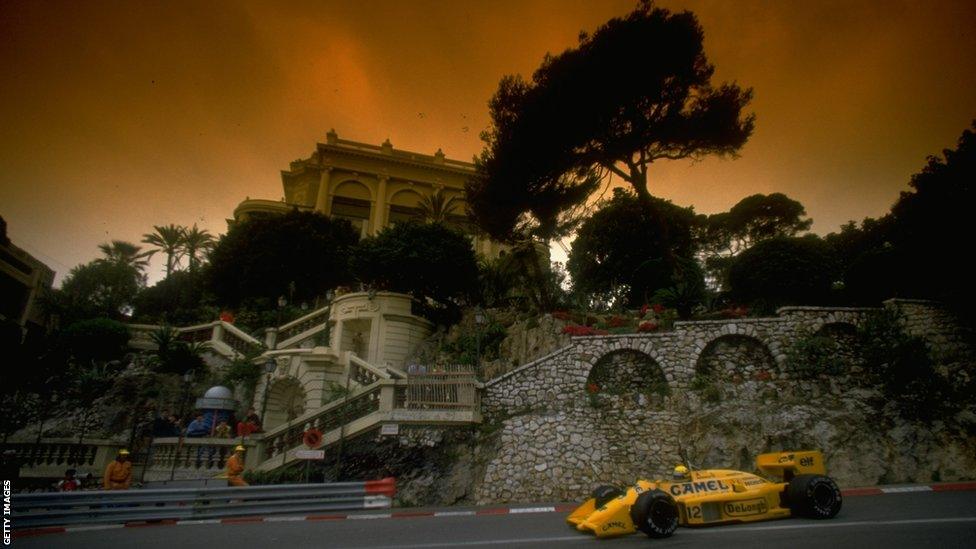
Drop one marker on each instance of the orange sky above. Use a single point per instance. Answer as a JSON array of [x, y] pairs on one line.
[[121, 115]]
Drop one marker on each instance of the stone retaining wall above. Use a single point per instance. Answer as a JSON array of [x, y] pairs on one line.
[[560, 435]]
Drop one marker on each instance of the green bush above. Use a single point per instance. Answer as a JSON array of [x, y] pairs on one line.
[[903, 366], [465, 347], [813, 355]]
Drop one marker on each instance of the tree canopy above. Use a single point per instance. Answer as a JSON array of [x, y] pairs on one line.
[[636, 91], [917, 250], [753, 219], [299, 255], [783, 271], [628, 243], [426, 260], [96, 289]]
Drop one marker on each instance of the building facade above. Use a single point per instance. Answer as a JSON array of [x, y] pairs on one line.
[[23, 280], [372, 186]]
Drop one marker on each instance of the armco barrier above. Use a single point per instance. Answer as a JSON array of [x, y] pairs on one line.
[[100, 507]]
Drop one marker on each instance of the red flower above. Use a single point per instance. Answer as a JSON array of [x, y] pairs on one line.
[[592, 388], [658, 308], [576, 331], [643, 309], [616, 322], [647, 326]]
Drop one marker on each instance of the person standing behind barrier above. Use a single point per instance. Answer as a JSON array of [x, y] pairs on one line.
[[69, 483], [197, 427], [222, 430], [118, 474], [235, 468]]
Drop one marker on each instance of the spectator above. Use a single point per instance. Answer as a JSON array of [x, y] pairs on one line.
[[222, 430], [198, 427], [245, 428], [255, 419], [69, 483], [163, 426]]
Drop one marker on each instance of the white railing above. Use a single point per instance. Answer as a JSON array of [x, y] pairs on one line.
[[300, 329], [224, 338], [192, 458]]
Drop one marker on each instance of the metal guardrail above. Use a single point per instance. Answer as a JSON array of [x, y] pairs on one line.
[[100, 507]]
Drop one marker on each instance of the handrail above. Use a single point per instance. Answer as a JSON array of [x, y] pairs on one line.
[[236, 341], [284, 328], [313, 414], [361, 403], [365, 373]]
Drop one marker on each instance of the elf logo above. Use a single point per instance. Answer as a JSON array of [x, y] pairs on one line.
[[746, 508]]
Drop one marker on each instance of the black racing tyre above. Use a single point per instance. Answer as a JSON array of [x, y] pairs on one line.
[[814, 496], [605, 493], [655, 513]]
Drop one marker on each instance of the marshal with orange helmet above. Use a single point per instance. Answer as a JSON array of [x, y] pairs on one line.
[[235, 467], [799, 487]]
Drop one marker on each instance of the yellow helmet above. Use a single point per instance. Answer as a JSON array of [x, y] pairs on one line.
[[240, 448], [680, 471], [123, 452]]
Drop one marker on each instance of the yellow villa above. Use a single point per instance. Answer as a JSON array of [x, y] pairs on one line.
[[372, 186]]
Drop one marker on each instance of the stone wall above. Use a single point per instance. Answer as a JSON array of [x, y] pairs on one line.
[[723, 393]]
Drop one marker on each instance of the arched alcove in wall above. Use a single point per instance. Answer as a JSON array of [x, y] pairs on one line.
[[286, 401], [352, 201], [627, 377], [733, 357], [404, 206]]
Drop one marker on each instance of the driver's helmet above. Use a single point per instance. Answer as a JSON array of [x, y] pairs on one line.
[[680, 473]]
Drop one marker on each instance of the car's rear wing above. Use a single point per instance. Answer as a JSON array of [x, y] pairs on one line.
[[786, 465]]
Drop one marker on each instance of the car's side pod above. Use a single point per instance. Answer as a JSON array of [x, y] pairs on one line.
[[786, 465]]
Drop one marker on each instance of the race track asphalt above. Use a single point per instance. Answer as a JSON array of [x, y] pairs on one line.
[[910, 520]]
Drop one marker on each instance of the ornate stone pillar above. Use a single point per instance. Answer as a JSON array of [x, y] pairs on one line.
[[322, 203], [378, 214]]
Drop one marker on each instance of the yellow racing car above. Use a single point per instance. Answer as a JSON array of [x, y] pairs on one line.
[[714, 496]]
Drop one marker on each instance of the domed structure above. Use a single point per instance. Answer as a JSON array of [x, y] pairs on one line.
[[218, 391], [217, 397]]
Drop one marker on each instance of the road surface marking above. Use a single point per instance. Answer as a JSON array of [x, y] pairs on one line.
[[684, 532], [831, 524], [95, 527], [904, 489]]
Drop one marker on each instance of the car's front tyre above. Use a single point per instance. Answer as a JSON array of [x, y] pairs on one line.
[[814, 496], [655, 513]]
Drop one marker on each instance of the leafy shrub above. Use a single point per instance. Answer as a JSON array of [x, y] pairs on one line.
[[811, 356], [902, 364]]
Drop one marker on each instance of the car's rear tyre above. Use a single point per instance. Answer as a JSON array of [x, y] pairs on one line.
[[814, 496], [605, 493], [655, 513]]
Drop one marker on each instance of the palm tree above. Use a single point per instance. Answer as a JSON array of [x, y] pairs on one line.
[[195, 242], [437, 207], [121, 252], [169, 240]]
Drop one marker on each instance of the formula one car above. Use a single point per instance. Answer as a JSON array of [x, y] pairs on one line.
[[714, 496]]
